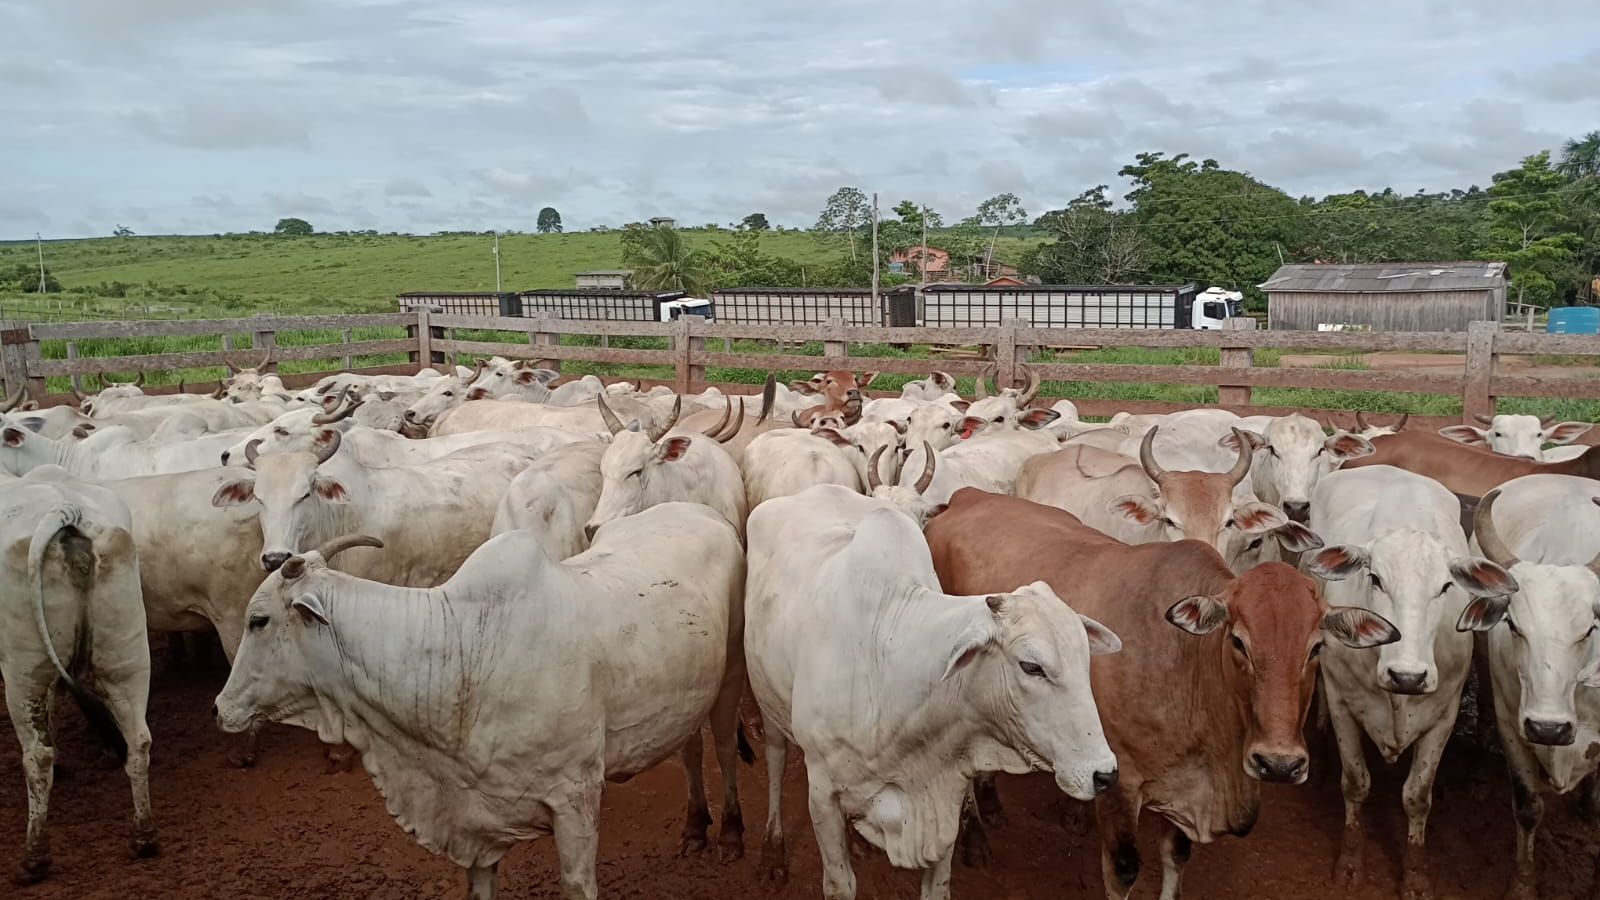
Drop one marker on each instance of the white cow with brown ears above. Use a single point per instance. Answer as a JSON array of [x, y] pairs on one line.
[[645, 466], [1524, 436]]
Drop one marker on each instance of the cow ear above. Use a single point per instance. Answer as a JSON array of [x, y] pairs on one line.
[[1198, 614], [672, 449], [310, 608], [971, 425], [865, 378], [1297, 538], [833, 436], [1136, 507], [1483, 613], [478, 393], [1338, 562], [1345, 447], [1231, 440], [1359, 628], [1566, 432], [1254, 518], [323, 437], [1464, 434], [78, 432], [1037, 418], [331, 490], [960, 406], [1589, 675], [935, 511], [527, 376], [969, 644], [234, 493], [13, 436], [1102, 640], [804, 387], [943, 381], [1482, 578]]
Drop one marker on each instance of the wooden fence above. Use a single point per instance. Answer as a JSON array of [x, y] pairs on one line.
[[695, 345]]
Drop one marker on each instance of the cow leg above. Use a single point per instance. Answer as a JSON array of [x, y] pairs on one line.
[[244, 748], [833, 838], [774, 855], [1488, 733], [483, 882], [575, 823], [1356, 780], [936, 880], [1118, 814], [698, 818], [1175, 850], [987, 796], [28, 697], [127, 700], [725, 720], [1417, 795], [974, 841], [1589, 798], [1529, 809]]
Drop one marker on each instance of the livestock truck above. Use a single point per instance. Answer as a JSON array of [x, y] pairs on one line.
[[1165, 306], [599, 304]]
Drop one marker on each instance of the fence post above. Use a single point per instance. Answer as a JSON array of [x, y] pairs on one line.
[[267, 338], [539, 337], [344, 338], [37, 387], [419, 333], [72, 353], [1005, 355], [1475, 399], [835, 342], [1236, 358], [13, 361], [687, 345]]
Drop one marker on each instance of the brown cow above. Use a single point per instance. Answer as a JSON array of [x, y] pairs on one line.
[[1470, 471], [840, 392], [1198, 714]]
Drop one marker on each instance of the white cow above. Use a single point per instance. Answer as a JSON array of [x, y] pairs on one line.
[[494, 707], [1395, 546], [644, 467], [1523, 436], [486, 415], [1292, 456], [374, 447], [430, 516], [106, 453], [1545, 531], [842, 595], [934, 387], [786, 461], [997, 439], [69, 587], [556, 496]]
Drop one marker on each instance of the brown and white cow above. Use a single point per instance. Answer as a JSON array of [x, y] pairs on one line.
[[1469, 471], [1198, 714], [841, 392]]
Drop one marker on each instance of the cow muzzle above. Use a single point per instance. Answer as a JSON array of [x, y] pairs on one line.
[[1105, 780], [1281, 768], [1548, 733], [1398, 681], [1297, 510], [272, 560]]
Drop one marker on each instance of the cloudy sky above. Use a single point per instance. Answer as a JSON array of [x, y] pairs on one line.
[[422, 115]]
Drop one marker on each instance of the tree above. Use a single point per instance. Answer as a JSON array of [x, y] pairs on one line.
[[662, 261], [1000, 210], [122, 231], [1529, 227], [292, 228], [549, 221], [23, 278], [1580, 157], [740, 263], [847, 212], [755, 222], [1094, 244]]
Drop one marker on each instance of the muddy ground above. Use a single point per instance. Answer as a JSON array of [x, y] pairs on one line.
[[286, 829]]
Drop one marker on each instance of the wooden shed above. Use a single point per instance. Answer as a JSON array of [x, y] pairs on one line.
[[1426, 296]]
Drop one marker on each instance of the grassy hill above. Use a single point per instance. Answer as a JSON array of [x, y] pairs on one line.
[[238, 275]]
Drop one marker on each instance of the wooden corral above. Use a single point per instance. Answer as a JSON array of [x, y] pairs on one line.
[[1429, 297]]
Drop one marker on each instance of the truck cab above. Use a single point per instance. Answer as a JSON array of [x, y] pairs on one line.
[[691, 306], [1214, 306]]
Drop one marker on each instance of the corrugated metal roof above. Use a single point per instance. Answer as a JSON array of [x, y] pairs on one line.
[[607, 272], [1385, 277]]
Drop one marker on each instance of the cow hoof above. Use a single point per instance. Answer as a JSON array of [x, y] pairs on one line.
[[774, 863], [975, 850], [1589, 806], [32, 871], [146, 847], [340, 759], [859, 847], [1347, 872], [691, 845], [730, 848], [1521, 891]]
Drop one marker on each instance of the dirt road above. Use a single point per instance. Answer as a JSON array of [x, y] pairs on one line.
[[288, 830]]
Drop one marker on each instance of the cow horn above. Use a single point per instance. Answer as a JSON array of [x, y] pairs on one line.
[[292, 568], [79, 394], [345, 542], [1147, 455], [769, 394], [1031, 389], [12, 401], [873, 481], [252, 450], [927, 469], [1241, 466], [657, 432], [232, 369], [606, 415], [1546, 421], [266, 359], [1488, 538], [1361, 421], [794, 417], [182, 388], [326, 453], [1401, 425], [738, 424], [1483, 419], [477, 369], [727, 413], [981, 389], [220, 392], [342, 410]]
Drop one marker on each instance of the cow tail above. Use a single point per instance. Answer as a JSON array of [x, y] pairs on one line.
[[746, 752], [94, 709]]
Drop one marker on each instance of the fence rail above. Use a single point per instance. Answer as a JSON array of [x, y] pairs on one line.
[[434, 338]]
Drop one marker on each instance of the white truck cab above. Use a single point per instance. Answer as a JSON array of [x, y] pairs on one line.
[[693, 306], [1213, 307]]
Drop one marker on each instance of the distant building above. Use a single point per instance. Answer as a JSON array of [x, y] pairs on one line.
[[1005, 281], [1420, 296], [919, 259], [664, 222], [615, 279]]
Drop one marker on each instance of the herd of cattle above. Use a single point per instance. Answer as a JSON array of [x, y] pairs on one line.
[[503, 593]]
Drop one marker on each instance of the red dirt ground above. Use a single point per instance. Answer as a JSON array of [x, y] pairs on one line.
[[288, 830]]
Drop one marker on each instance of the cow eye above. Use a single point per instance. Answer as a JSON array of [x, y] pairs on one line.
[[634, 474], [1444, 589], [1032, 668], [449, 393], [1237, 644], [258, 622], [1273, 450], [1494, 434], [1255, 544], [1376, 581], [999, 418], [1316, 650], [1513, 626], [1165, 520], [1228, 524], [947, 426]]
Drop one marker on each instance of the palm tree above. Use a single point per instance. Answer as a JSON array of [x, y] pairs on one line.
[[1580, 157], [664, 262]]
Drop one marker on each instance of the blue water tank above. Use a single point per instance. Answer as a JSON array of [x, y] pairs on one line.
[[1574, 320]]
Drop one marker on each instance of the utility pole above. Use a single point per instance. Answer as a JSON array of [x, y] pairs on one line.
[[874, 247], [497, 262], [39, 243]]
